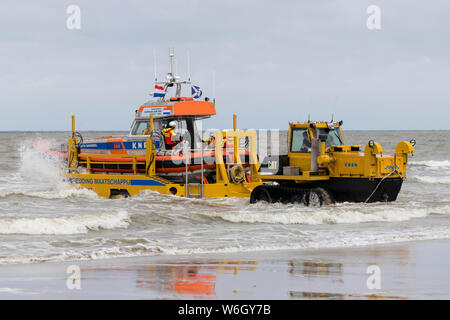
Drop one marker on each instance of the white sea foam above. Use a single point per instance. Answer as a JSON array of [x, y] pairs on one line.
[[65, 225], [328, 215], [147, 249], [431, 163], [60, 191], [40, 176], [17, 291], [432, 180], [38, 166]]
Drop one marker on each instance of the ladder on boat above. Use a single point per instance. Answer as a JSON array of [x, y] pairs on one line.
[[196, 186]]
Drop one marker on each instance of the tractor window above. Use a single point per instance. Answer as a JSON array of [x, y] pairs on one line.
[[334, 138], [300, 141]]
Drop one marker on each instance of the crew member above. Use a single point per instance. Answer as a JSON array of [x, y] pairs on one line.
[[146, 131], [168, 133], [306, 147], [212, 141]]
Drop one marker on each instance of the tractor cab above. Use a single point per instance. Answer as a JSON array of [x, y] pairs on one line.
[[302, 135], [305, 140]]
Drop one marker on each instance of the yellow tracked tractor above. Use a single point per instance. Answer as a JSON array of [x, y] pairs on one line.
[[319, 168]]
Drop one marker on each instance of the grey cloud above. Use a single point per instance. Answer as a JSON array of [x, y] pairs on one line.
[[273, 61]]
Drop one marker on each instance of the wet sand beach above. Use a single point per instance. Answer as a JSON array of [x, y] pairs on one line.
[[408, 270]]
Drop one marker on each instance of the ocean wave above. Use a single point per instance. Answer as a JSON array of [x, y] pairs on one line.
[[328, 215], [37, 166], [17, 291], [61, 191], [38, 176], [431, 163], [432, 180], [147, 249], [65, 225]]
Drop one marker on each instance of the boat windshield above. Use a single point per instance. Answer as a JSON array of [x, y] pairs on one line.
[[141, 128]]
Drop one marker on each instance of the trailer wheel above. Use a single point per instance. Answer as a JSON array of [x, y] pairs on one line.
[[119, 193], [260, 194]]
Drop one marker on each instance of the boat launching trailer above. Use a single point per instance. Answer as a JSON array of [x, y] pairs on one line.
[[318, 169], [231, 179]]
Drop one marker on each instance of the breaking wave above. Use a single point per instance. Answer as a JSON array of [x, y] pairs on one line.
[[431, 163], [147, 249], [333, 215], [432, 180], [63, 225], [37, 166], [40, 176], [61, 191]]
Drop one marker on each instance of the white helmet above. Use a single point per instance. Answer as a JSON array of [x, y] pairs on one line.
[[172, 124]]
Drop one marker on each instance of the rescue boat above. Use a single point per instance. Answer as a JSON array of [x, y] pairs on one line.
[[318, 169], [192, 153]]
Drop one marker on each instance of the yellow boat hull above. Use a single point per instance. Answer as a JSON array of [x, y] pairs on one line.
[[110, 185]]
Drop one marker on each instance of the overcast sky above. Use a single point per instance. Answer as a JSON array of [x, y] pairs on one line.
[[272, 61]]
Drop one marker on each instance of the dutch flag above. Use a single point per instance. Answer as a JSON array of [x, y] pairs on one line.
[[159, 92]]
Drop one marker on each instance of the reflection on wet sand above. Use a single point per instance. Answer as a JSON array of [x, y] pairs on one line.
[[338, 273], [335, 273], [194, 279], [199, 278], [324, 274], [310, 268], [328, 295], [411, 270]]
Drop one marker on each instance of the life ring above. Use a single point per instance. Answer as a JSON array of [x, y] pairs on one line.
[[237, 174]]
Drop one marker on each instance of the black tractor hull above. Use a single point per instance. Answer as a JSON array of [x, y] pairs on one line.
[[333, 190], [360, 189]]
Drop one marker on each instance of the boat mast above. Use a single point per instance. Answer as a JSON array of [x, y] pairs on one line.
[[172, 79]]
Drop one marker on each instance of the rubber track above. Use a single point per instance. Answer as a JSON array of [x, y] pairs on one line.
[[292, 194]]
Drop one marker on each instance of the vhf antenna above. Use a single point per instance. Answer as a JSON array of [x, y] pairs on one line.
[[154, 64], [171, 56], [188, 66]]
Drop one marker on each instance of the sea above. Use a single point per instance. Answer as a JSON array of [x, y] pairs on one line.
[[44, 219]]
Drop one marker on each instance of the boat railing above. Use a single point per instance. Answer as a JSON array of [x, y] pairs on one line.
[[134, 160], [224, 159], [88, 159]]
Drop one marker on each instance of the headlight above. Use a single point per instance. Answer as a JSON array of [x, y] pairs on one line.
[[413, 142], [371, 143]]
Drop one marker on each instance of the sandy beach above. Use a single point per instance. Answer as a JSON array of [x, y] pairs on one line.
[[408, 270]]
